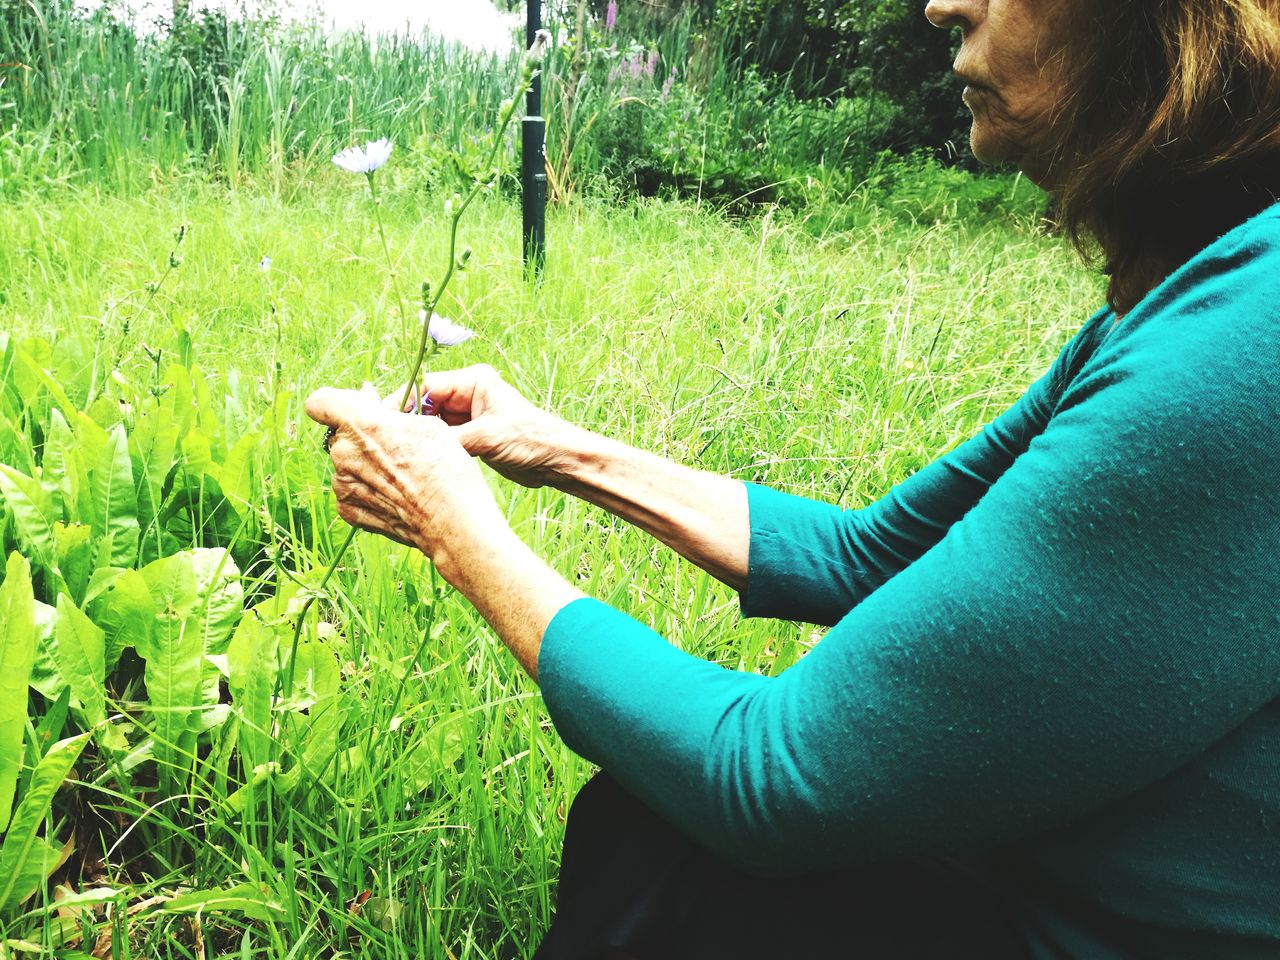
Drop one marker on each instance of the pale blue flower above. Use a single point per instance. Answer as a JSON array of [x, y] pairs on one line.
[[444, 331], [538, 49], [264, 264], [364, 159]]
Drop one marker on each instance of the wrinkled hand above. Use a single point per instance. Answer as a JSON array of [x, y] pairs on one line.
[[405, 476], [494, 422]]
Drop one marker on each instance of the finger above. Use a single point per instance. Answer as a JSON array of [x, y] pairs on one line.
[[335, 408], [453, 391], [402, 400], [329, 406]]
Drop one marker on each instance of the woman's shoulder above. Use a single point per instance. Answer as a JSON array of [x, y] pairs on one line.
[[1238, 271], [1224, 300], [1200, 354]]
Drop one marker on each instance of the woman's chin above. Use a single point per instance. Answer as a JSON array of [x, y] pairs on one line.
[[988, 147]]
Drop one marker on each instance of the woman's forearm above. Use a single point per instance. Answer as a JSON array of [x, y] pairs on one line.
[[702, 516], [516, 592]]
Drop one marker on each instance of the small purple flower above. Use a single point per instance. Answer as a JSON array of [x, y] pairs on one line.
[[652, 63], [444, 331], [611, 15], [668, 84]]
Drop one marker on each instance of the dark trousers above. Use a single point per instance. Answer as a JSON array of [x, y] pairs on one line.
[[630, 885]]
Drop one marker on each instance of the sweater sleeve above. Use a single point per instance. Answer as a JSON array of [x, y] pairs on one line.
[[815, 562], [1102, 615]]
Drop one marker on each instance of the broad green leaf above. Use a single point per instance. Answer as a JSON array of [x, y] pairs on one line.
[[251, 675], [32, 375], [60, 469], [219, 606], [101, 580], [383, 912], [219, 596], [50, 727], [197, 454], [24, 855], [315, 682], [237, 800], [152, 446], [46, 675], [80, 654], [235, 475], [174, 655], [73, 361], [115, 499], [17, 651], [15, 447], [33, 514], [75, 559], [104, 412], [126, 614], [436, 753], [43, 857], [251, 900], [92, 441]]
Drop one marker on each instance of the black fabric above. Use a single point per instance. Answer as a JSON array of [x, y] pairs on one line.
[[630, 885]]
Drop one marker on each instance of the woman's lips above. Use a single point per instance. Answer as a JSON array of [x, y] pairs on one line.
[[974, 90]]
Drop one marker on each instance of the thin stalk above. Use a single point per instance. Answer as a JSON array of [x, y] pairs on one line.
[[386, 251], [426, 346]]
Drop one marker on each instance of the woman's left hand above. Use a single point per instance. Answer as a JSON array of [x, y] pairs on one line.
[[406, 477]]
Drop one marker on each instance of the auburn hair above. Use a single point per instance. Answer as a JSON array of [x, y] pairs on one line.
[[1171, 134]]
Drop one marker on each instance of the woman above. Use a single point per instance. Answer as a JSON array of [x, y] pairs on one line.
[[1053, 651]]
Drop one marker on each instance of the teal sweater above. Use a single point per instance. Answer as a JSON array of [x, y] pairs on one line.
[[1060, 642]]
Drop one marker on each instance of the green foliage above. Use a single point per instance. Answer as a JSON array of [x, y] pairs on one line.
[[26, 857], [17, 651]]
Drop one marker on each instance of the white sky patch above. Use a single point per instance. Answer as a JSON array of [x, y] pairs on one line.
[[476, 24]]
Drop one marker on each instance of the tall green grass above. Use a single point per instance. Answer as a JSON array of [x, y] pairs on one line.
[[85, 100]]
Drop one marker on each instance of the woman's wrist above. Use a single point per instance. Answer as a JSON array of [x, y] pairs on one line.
[[581, 459]]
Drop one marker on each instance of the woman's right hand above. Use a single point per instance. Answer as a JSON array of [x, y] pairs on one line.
[[494, 422]]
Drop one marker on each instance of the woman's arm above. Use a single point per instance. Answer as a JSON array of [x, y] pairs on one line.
[[700, 515], [789, 557]]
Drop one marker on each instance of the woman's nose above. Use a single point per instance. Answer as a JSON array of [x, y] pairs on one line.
[[954, 13]]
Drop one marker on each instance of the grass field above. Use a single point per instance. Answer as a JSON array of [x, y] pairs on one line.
[[827, 365]]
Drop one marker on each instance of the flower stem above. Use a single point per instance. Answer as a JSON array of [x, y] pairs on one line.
[[426, 346], [386, 250]]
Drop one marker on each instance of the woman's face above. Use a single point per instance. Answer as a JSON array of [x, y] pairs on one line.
[[1011, 59]]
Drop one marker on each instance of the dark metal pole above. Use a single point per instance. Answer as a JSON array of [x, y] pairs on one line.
[[533, 161]]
